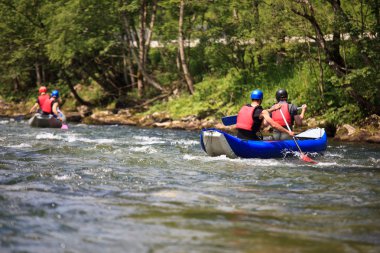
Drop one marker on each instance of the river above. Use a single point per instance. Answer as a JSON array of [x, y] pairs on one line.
[[128, 189]]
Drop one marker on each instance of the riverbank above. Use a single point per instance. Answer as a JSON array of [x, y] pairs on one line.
[[365, 131]]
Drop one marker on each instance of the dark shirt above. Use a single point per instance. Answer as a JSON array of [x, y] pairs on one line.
[[293, 111]]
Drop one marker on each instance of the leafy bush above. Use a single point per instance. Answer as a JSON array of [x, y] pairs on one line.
[[348, 113]]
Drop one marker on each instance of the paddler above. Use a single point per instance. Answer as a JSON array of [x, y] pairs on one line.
[[290, 113], [51, 106], [252, 117], [40, 99]]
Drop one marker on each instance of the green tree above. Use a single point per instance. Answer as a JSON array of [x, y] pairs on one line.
[[22, 54]]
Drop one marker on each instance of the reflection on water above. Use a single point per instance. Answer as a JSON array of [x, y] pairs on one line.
[[127, 189]]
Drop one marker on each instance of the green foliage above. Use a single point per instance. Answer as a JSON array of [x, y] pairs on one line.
[[348, 113], [79, 27], [213, 97]]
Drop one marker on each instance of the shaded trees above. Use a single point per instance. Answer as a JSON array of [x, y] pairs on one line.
[[350, 71]]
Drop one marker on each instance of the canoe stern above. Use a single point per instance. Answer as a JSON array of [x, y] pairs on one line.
[[214, 143]]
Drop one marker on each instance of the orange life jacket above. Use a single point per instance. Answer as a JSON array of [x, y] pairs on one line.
[[47, 107], [42, 99], [277, 117], [244, 119]]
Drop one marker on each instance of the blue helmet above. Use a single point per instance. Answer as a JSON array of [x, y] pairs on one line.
[[257, 95], [55, 93]]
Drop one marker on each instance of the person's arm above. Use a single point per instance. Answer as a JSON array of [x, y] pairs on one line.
[[302, 115], [55, 110], [274, 108], [33, 108], [274, 124], [298, 118]]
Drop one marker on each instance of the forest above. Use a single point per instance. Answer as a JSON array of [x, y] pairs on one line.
[[194, 57]]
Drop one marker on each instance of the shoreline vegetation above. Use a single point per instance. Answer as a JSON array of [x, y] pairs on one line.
[[365, 131]]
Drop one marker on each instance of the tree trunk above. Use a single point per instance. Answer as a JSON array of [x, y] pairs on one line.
[[140, 80], [339, 70], [73, 91], [321, 76], [43, 74], [255, 11], [339, 14], [16, 84], [131, 38], [188, 77], [38, 74], [125, 60], [150, 30]]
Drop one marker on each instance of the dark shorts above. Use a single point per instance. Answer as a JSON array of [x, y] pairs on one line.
[[248, 135]]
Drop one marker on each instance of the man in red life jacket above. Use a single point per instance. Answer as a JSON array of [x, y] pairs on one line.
[[252, 116], [51, 106], [290, 113], [40, 100]]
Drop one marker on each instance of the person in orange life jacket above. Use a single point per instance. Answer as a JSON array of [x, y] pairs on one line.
[[252, 116], [40, 100], [51, 106], [290, 112]]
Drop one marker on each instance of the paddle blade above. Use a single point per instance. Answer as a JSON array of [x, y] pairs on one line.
[[65, 127], [229, 120], [307, 159]]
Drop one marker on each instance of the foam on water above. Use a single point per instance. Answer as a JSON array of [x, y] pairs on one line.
[[374, 160], [96, 171], [48, 136], [146, 140], [206, 158], [341, 164], [183, 196], [66, 177], [144, 149], [184, 142], [22, 145], [251, 162], [73, 138], [326, 164], [329, 154]]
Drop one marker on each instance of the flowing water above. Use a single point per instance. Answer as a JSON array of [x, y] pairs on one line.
[[128, 189]]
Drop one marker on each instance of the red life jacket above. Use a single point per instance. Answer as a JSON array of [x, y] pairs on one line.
[[47, 106], [42, 99], [244, 119], [277, 117]]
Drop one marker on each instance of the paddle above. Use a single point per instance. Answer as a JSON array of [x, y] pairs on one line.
[[64, 126], [21, 117], [229, 120], [303, 156]]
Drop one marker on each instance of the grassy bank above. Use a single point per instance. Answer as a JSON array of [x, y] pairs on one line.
[[220, 96]]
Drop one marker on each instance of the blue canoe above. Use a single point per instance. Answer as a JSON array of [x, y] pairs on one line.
[[215, 142]]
